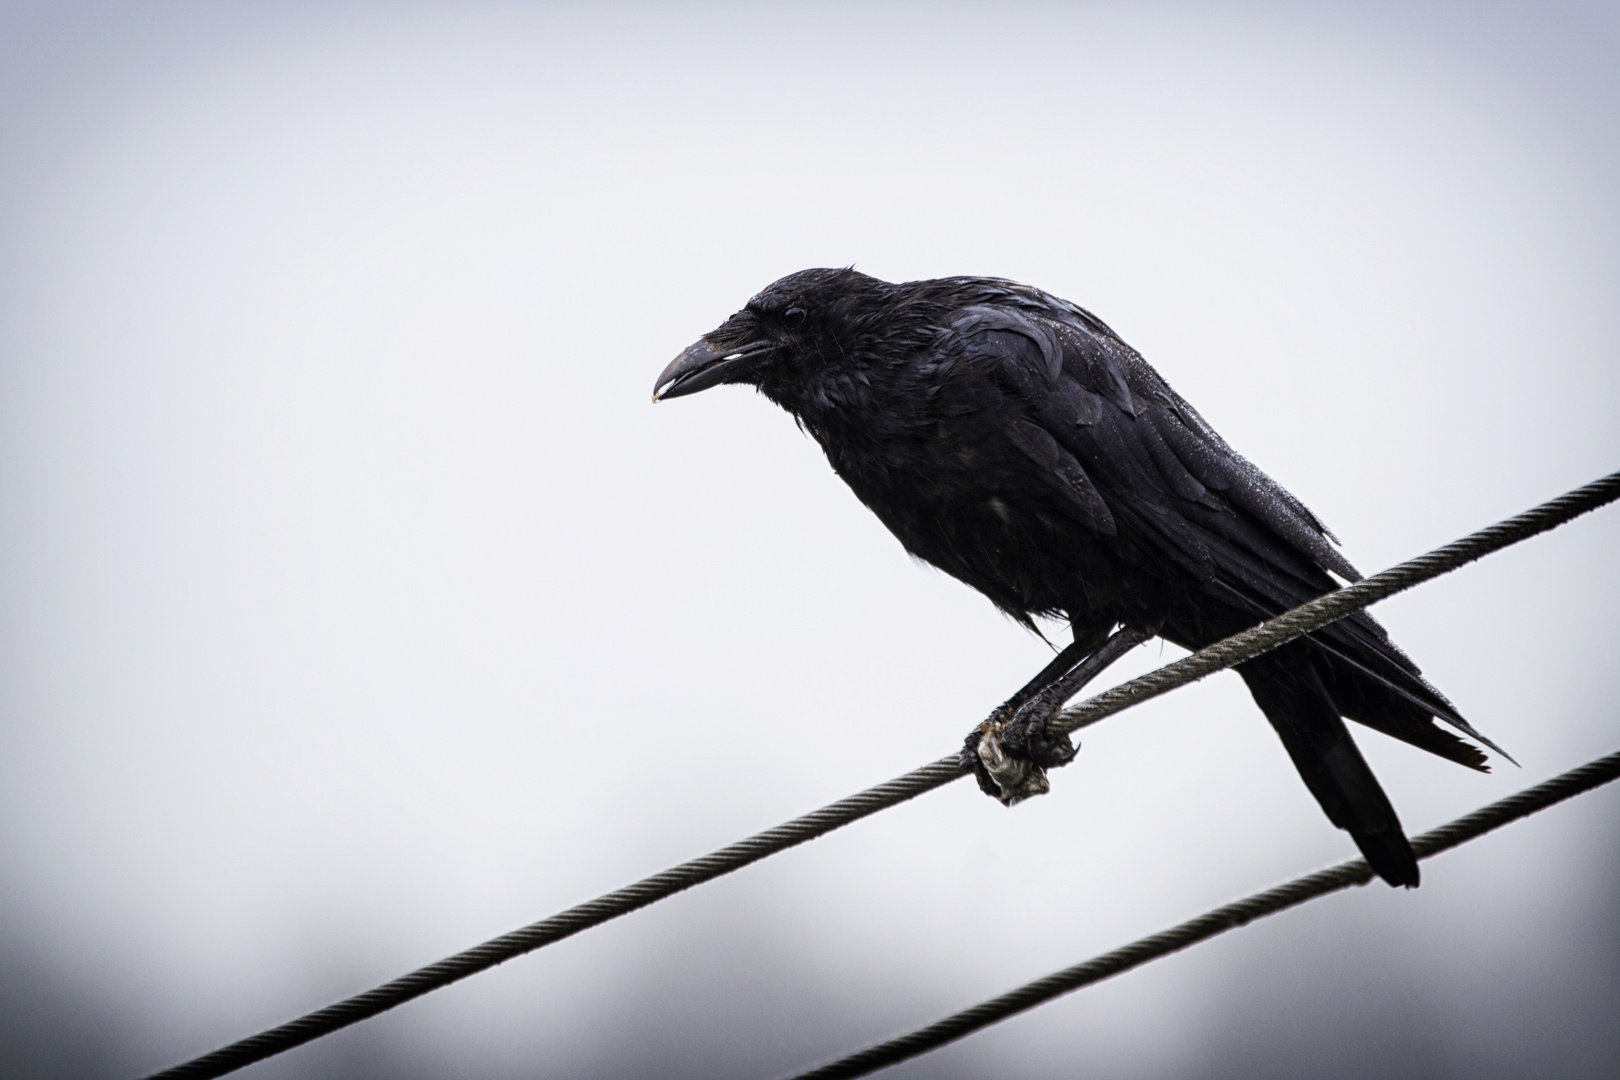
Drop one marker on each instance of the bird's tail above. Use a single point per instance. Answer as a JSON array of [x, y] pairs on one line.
[[1289, 689]]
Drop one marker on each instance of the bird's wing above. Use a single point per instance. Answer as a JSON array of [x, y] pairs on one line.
[[1101, 426]]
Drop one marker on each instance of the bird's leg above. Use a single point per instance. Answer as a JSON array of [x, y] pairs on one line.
[[988, 733], [1062, 664], [1030, 734], [1011, 751]]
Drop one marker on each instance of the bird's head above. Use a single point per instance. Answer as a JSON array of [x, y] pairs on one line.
[[791, 331]]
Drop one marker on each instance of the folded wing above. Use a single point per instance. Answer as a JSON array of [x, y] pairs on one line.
[[1129, 455]]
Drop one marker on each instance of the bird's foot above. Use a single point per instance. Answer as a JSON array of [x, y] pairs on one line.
[[1010, 752], [1010, 755]]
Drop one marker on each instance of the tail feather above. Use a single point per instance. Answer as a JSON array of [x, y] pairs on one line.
[[1370, 702], [1415, 724], [1292, 694], [1378, 685]]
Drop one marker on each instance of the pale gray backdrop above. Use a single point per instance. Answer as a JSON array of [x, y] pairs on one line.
[[357, 605]]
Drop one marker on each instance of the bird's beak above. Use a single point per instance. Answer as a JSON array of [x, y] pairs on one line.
[[700, 367]]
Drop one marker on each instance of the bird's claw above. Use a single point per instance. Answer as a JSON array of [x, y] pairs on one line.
[[1010, 756]]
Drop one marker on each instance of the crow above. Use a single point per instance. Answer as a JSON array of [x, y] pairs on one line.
[[1014, 441]]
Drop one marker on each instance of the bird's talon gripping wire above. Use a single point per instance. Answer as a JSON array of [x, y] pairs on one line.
[[1010, 752], [1014, 777]]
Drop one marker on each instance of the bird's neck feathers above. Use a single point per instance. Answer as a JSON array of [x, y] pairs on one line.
[[860, 373]]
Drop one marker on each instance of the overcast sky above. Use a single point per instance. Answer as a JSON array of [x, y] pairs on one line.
[[356, 605]]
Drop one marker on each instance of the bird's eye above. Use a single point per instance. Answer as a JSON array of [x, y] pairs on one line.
[[792, 317]]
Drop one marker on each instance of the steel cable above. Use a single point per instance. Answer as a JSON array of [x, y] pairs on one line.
[[1210, 924], [1223, 654]]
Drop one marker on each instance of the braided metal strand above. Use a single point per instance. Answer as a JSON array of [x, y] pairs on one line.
[[1336, 605], [1233, 650], [565, 924], [1210, 924]]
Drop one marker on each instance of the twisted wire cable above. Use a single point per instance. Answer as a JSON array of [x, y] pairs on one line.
[[1226, 653], [1229, 917], [564, 924]]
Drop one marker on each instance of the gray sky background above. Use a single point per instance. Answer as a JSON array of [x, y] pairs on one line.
[[356, 606]]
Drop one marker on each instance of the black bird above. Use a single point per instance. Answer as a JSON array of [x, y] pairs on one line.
[[1014, 441]]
